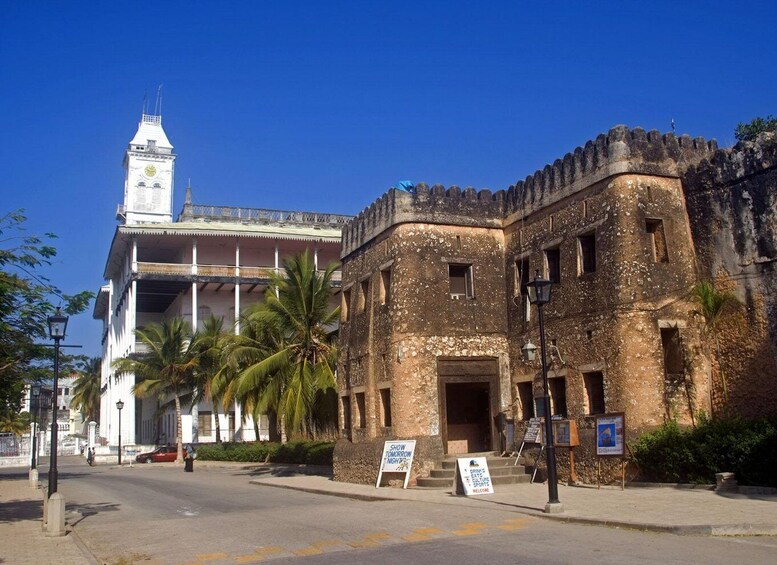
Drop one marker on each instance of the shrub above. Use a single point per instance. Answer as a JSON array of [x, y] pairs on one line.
[[310, 452], [746, 447]]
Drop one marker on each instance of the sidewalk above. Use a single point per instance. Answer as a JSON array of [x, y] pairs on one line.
[[21, 539], [661, 509]]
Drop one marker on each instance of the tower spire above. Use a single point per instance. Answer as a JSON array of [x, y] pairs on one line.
[[158, 104]]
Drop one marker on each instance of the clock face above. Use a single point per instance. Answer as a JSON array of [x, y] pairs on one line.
[[150, 171]]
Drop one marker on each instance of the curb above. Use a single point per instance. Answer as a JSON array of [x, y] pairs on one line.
[[686, 530]]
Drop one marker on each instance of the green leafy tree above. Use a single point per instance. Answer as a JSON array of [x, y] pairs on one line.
[[750, 131], [715, 307], [27, 298], [292, 370], [211, 344], [164, 367], [86, 390]]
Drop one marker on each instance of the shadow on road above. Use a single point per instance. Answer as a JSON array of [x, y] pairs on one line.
[[86, 510]]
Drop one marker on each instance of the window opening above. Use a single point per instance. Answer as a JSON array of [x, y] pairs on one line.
[[522, 279], [553, 264], [655, 228], [461, 281], [558, 396], [587, 253], [346, 402], [526, 400], [594, 392], [364, 295], [345, 304], [205, 423], [385, 407], [672, 350], [361, 407], [385, 286]]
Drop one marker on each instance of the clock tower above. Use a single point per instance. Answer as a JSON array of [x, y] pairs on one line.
[[148, 175]]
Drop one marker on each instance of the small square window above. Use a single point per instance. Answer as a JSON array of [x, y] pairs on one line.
[[594, 392], [385, 286], [586, 245], [461, 286], [553, 264]]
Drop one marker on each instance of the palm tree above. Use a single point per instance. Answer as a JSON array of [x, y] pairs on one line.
[[165, 367], [15, 423], [293, 368], [715, 307], [86, 391], [210, 344]]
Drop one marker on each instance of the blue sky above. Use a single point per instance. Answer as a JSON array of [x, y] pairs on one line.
[[324, 105]]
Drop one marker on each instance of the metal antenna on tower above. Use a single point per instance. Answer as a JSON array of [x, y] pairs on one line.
[[158, 105]]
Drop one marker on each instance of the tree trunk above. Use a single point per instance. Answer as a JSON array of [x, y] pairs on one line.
[[195, 412], [218, 425], [178, 429], [274, 432]]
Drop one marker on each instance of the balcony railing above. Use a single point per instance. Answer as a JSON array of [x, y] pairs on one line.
[[178, 269], [260, 216]]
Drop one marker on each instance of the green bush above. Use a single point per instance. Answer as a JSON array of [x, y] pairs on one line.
[[310, 452], [673, 455]]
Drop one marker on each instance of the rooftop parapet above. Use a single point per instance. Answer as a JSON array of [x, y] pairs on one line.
[[203, 213], [620, 151], [730, 165], [435, 205]]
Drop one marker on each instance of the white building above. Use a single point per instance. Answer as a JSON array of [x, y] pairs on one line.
[[212, 260]]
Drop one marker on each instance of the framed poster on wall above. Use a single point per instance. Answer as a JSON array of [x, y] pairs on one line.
[[611, 435]]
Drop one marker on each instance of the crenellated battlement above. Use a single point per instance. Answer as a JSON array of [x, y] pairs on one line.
[[620, 151], [730, 165]]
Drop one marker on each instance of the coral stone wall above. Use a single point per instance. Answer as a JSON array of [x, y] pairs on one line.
[[732, 205]]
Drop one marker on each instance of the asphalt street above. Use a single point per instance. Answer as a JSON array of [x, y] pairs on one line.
[[158, 513]]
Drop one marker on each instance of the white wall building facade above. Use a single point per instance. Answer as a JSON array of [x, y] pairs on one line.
[[213, 260]]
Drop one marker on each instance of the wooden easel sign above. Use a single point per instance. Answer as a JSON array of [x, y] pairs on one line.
[[397, 458], [473, 476]]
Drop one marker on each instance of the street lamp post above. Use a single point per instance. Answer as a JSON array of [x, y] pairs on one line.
[[35, 393], [57, 327], [539, 294], [120, 405]]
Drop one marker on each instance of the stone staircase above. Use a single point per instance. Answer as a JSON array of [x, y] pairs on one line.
[[501, 469]]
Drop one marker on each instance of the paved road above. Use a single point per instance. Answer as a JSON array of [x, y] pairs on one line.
[[159, 514]]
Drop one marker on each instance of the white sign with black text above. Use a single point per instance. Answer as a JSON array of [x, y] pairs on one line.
[[397, 458], [475, 477]]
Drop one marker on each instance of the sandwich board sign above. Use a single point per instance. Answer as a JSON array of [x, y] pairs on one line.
[[397, 458], [473, 476]]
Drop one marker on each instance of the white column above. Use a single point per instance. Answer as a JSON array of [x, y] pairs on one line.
[[194, 255], [237, 287], [134, 265], [194, 306], [277, 262], [315, 256], [239, 434]]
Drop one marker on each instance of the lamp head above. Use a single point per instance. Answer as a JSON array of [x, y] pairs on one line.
[[539, 290], [529, 351], [57, 325], [120, 405]]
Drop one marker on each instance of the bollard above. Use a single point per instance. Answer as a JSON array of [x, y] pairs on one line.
[[55, 526], [33, 478]]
